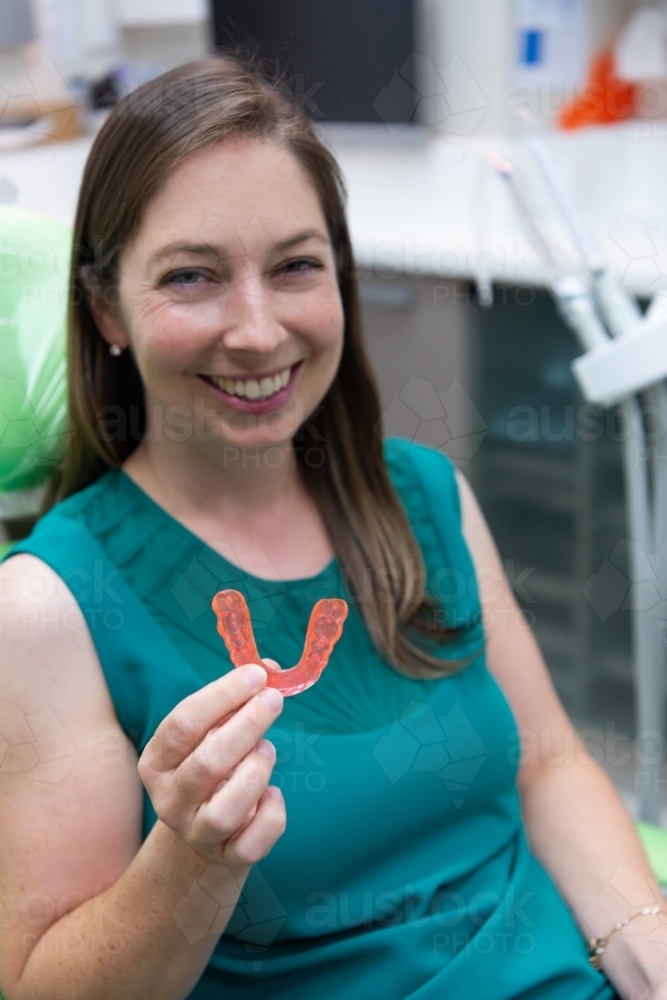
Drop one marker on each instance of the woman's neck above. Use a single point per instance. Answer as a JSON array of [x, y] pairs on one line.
[[250, 505], [232, 479]]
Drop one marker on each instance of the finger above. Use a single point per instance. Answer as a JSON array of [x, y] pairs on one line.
[[251, 815], [187, 724], [220, 753], [221, 816], [272, 665], [255, 842]]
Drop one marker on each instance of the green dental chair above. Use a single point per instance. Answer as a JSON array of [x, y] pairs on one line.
[[34, 266], [654, 842]]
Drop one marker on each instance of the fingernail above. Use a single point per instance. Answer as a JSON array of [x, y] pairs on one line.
[[267, 749], [274, 792], [254, 676], [272, 698]]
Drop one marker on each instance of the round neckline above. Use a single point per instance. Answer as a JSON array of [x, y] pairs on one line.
[[195, 539]]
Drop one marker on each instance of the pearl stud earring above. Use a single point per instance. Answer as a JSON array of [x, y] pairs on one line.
[[115, 351]]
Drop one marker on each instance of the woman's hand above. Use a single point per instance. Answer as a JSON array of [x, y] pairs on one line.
[[635, 958], [207, 770]]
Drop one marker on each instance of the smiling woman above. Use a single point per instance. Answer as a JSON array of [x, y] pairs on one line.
[[226, 437], [228, 263], [217, 319]]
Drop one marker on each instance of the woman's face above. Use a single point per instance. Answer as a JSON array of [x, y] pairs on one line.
[[229, 299]]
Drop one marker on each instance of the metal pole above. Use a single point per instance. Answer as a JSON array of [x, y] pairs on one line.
[[648, 666], [647, 522]]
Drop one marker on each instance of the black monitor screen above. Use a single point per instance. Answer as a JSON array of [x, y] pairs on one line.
[[345, 60]]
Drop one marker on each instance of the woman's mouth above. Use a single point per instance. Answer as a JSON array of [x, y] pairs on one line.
[[255, 394]]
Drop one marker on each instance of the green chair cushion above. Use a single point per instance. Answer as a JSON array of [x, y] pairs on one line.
[[35, 255], [654, 842]]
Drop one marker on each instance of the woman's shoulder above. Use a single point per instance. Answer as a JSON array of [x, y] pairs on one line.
[[424, 474], [71, 522], [90, 502], [427, 484]]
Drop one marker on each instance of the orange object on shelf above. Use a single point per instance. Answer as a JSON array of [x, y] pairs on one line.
[[324, 631], [603, 99]]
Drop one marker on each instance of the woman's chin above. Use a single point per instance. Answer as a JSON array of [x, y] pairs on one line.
[[231, 446]]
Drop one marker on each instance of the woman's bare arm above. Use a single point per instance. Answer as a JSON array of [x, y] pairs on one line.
[[575, 820], [88, 911]]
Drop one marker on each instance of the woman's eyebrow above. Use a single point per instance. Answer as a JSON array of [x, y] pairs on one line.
[[209, 250], [302, 237]]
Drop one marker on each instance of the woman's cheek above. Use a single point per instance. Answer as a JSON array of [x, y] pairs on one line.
[[333, 323], [173, 333], [327, 325], [170, 345]]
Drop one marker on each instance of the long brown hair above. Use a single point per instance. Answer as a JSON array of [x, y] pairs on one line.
[[145, 137]]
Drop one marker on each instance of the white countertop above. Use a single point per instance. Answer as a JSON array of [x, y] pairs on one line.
[[431, 205]]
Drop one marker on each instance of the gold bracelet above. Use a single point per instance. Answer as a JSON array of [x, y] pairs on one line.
[[596, 946]]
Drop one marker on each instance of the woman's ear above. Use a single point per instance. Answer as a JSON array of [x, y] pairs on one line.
[[107, 317]]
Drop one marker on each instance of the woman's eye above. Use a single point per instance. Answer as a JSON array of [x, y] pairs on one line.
[[301, 266], [185, 277]]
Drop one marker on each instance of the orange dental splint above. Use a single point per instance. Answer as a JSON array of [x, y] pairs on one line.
[[324, 631]]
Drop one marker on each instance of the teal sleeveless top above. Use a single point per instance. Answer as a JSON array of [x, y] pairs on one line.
[[404, 872]]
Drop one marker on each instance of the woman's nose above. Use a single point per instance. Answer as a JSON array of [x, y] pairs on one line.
[[251, 318]]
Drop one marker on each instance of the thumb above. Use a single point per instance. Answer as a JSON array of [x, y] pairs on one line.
[[270, 664]]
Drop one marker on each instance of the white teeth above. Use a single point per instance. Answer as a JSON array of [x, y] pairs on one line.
[[251, 388]]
